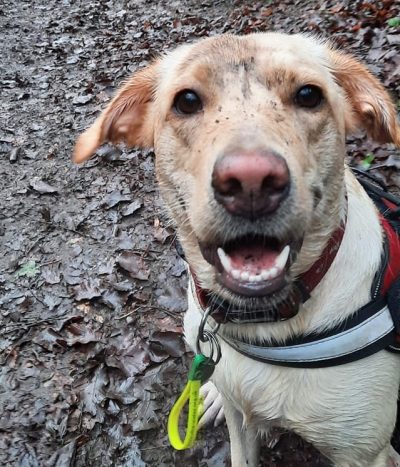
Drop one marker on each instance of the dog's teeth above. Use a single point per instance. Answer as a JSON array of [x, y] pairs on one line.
[[244, 276], [273, 272], [265, 275], [225, 260], [235, 273], [281, 260]]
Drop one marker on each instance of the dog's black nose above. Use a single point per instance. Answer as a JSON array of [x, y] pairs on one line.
[[251, 183]]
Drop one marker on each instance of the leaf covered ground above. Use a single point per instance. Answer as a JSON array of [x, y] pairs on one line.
[[92, 292]]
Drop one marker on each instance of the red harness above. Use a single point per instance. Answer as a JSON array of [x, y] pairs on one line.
[[392, 270]]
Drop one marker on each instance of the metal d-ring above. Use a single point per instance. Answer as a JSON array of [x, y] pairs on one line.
[[203, 322], [205, 335], [214, 346]]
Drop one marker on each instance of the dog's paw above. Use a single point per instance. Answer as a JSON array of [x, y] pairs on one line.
[[213, 413], [394, 458]]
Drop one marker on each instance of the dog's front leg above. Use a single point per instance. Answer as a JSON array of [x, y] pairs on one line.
[[245, 440], [387, 457], [384, 459], [394, 458]]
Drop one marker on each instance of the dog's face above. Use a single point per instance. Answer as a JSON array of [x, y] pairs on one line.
[[249, 136]]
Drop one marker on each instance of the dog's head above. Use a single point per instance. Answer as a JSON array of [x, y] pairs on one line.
[[249, 135]]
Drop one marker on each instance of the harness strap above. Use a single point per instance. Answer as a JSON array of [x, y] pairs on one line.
[[392, 271], [368, 337]]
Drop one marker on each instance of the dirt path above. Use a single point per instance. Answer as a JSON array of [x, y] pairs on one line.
[[91, 289]]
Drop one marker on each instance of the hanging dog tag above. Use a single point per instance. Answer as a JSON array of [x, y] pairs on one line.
[[201, 369]]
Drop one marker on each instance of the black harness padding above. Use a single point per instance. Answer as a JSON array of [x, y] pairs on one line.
[[393, 302], [389, 208]]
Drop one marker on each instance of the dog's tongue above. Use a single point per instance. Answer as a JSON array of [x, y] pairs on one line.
[[252, 258]]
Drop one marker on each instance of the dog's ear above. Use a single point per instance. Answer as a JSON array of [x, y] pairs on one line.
[[126, 119], [372, 108]]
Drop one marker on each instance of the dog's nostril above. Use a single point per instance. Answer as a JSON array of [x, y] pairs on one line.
[[272, 184], [231, 187]]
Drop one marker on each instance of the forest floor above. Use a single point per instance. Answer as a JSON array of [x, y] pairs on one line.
[[92, 292]]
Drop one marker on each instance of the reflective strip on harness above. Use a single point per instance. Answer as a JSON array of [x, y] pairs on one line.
[[322, 352]]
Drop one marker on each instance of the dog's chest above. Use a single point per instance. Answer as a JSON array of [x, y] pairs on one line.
[[323, 405]]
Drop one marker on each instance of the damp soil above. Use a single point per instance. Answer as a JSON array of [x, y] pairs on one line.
[[92, 291]]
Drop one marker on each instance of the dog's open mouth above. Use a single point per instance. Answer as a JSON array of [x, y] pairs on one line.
[[251, 266]]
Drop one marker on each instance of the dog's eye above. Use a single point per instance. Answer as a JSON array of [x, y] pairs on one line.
[[309, 96], [187, 102]]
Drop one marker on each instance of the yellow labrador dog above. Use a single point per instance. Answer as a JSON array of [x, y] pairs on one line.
[[281, 239]]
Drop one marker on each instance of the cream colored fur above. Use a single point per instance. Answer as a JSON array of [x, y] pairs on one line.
[[247, 85]]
